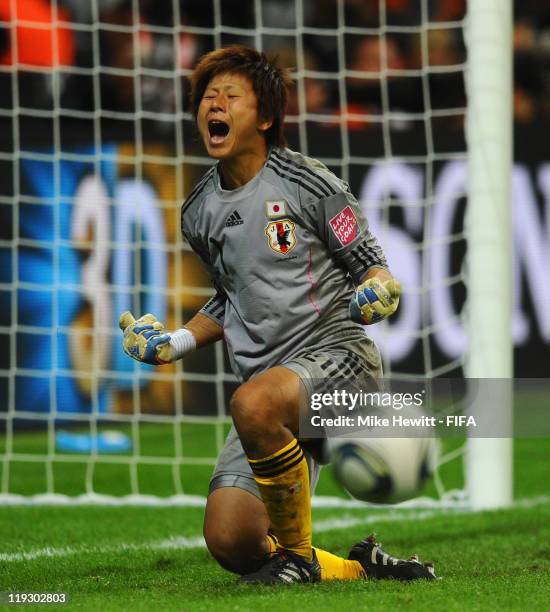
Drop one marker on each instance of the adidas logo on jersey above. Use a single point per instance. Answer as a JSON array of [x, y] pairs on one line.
[[234, 219]]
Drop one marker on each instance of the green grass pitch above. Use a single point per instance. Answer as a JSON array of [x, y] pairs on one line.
[[145, 558]]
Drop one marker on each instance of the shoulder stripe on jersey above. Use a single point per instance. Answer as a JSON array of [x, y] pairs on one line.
[[289, 169], [289, 177], [331, 189], [304, 168], [297, 169], [198, 188]]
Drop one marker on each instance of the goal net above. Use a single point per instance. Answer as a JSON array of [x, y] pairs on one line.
[[98, 151]]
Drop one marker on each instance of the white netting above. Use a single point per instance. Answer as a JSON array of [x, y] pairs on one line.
[[98, 152]]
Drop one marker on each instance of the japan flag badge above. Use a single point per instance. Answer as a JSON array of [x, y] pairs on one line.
[[275, 208]]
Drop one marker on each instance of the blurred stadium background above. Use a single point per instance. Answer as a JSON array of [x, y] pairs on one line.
[[98, 150]]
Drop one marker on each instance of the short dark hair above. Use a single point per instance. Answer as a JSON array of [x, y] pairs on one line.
[[269, 81]]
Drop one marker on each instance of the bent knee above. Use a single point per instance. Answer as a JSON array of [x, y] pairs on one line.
[[222, 546], [234, 552], [252, 407], [247, 401]]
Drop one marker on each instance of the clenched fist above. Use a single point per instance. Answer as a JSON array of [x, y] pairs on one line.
[[145, 339], [375, 300]]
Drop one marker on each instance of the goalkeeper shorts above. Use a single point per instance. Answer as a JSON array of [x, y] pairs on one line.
[[341, 356]]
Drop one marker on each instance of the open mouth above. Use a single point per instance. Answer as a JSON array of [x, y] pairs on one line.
[[218, 130]]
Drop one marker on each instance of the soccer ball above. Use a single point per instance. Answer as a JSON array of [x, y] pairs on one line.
[[383, 470]]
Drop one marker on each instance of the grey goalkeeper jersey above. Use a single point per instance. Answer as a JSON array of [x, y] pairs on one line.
[[284, 252]]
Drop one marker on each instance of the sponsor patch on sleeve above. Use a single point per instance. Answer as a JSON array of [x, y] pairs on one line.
[[344, 225]]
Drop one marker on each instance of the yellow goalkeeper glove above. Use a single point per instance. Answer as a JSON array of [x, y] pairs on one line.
[[146, 340], [374, 300]]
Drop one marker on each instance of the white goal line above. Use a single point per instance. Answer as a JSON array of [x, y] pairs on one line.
[[396, 515], [453, 500]]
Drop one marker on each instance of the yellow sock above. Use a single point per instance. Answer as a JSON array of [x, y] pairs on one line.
[[283, 480], [337, 568], [272, 543], [332, 566]]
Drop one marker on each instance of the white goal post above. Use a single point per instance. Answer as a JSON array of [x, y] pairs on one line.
[[488, 34]]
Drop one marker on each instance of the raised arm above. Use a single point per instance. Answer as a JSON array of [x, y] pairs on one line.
[[340, 223]]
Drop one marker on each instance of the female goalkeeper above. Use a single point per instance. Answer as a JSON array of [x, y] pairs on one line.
[[297, 275]]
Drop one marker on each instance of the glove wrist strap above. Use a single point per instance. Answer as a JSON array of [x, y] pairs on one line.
[[182, 341]]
